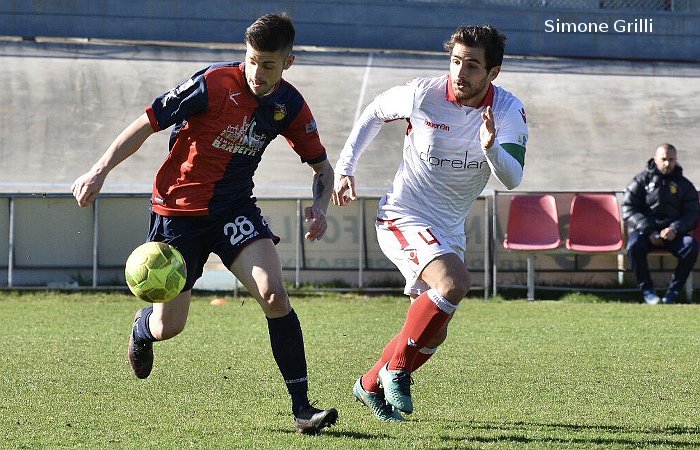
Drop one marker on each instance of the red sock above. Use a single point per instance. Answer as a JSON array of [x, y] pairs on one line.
[[423, 320], [421, 358], [370, 380]]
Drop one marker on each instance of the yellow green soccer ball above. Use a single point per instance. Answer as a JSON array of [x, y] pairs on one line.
[[155, 272]]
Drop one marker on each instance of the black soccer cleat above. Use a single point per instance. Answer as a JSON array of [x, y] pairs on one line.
[[310, 420], [140, 353]]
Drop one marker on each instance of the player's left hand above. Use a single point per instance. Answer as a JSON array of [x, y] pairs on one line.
[[343, 190], [487, 132], [317, 218]]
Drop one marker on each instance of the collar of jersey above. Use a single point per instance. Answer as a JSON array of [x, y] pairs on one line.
[[450, 94]]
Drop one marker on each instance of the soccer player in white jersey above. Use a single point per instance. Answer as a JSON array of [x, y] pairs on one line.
[[461, 130]]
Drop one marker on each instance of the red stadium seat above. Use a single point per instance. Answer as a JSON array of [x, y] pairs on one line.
[[533, 225], [595, 224]]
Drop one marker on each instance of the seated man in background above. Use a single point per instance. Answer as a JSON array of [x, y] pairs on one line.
[[661, 210]]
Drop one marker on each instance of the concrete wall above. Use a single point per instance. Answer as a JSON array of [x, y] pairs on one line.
[[385, 24]]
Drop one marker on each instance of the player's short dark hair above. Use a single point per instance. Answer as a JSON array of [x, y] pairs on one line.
[[271, 33], [481, 36]]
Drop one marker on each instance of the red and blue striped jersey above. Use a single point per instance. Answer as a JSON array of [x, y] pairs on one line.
[[220, 133]]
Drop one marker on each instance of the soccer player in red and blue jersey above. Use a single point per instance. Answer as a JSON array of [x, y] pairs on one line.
[[223, 119]]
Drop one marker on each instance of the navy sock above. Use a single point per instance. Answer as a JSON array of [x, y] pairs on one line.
[[287, 344], [142, 331]]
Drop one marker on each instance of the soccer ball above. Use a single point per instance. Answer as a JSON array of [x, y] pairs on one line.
[[155, 272]]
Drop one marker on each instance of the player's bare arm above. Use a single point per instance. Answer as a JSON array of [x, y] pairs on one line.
[[344, 190], [86, 187], [322, 189]]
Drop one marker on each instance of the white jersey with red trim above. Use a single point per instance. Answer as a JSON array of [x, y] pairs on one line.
[[444, 168]]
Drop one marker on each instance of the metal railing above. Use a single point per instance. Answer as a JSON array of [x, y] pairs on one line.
[[53, 242]]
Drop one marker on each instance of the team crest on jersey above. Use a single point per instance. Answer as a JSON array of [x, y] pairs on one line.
[[280, 112], [673, 188]]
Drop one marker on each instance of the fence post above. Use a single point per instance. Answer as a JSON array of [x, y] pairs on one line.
[[11, 244], [494, 237], [95, 239], [487, 243], [299, 233], [361, 251]]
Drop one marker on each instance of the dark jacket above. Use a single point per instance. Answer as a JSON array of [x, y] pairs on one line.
[[654, 201]]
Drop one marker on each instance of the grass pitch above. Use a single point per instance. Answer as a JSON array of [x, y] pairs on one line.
[[572, 373]]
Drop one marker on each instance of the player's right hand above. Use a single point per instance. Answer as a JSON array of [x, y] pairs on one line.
[[86, 187], [344, 190]]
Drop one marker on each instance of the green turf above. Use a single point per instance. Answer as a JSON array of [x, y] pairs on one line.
[[573, 373]]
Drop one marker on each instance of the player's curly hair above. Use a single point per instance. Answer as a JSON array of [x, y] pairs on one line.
[[271, 33], [481, 36]]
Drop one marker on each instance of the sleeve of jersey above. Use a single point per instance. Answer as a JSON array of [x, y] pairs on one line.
[[396, 103], [507, 163], [184, 100], [303, 137]]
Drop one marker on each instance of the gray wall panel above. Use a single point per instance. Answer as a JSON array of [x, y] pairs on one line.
[[52, 232], [404, 25]]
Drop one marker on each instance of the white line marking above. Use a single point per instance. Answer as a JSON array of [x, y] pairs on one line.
[[365, 79]]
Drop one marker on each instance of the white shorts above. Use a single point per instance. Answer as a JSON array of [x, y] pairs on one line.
[[411, 244]]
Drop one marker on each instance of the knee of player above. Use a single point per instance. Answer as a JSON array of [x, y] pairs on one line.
[[455, 288], [454, 293], [275, 300]]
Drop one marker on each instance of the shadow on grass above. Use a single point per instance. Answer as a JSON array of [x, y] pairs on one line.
[[529, 433], [337, 434], [532, 432]]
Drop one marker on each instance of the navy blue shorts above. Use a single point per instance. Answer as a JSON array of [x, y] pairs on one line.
[[196, 237]]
